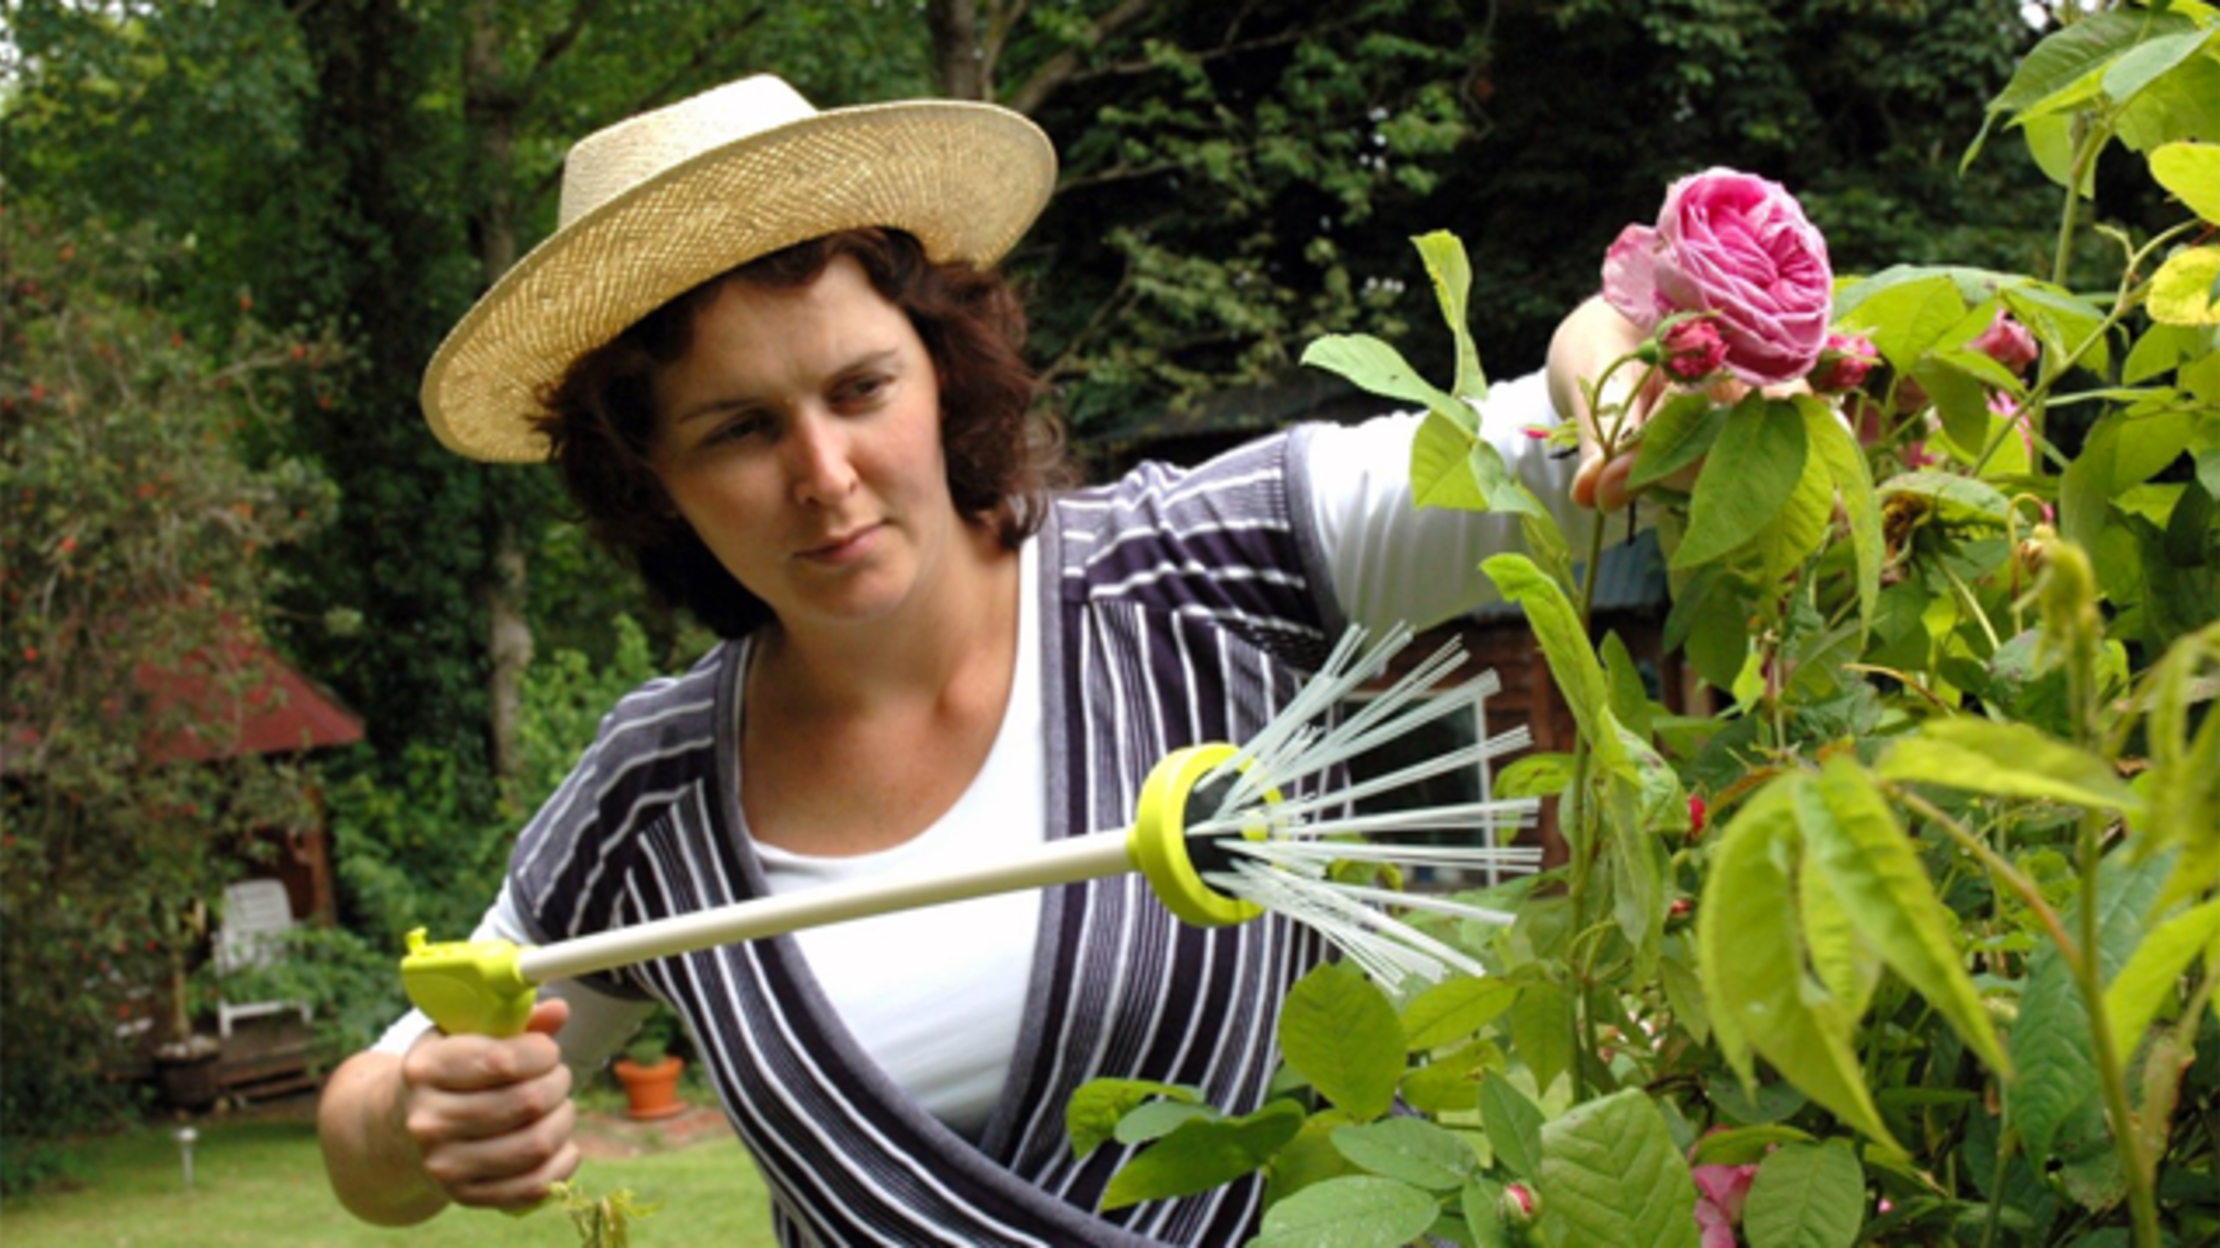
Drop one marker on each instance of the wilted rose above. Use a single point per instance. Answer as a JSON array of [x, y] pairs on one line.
[[1739, 246], [1844, 363], [2007, 342]]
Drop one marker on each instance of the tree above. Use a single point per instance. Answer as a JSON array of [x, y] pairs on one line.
[[135, 580]]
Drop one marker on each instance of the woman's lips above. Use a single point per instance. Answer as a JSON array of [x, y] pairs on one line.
[[843, 548]]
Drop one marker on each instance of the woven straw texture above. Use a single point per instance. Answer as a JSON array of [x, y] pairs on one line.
[[966, 179]]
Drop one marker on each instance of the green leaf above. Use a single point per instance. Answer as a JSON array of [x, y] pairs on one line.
[[1513, 1126], [1741, 1146], [1441, 465], [2151, 975], [1454, 1011], [2051, 1041], [1871, 866], [1203, 1154], [1446, 264], [1853, 481], [2182, 289], [1359, 1211], [1840, 958], [1376, 367], [1752, 471], [1308, 1158], [1541, 1031], [1806, 1196], [2150, 61], [2192, 172], [1157, 1119], [1340, 1033], [1751, 949], [1499, 489], [1677, 435], [1535, 775], [1612, 1175], [1410, 1150], [2070, 62], [2007, 760], [1572, 662], [1902, 312], [1091, 1118]]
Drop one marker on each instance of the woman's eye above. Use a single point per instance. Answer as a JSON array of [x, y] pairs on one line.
[[738, 429], [863, 389]]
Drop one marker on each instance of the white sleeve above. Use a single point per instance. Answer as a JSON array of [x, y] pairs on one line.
[[1390, 560], [599, 1023]]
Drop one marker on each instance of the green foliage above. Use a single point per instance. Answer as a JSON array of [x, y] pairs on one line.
[[137, 584], [1955, 943]]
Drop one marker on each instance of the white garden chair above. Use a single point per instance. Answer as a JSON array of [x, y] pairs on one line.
[[257, 913]]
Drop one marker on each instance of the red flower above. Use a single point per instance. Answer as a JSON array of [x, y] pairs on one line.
[[1843, 364], [1693, 349], [1697, 813], [2007, 342]]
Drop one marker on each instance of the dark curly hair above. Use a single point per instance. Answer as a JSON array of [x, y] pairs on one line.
[[1003, 457]]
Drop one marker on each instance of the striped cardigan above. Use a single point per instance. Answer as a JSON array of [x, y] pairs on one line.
[[1177, 607]]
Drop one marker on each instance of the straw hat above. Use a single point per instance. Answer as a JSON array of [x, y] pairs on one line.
[[659, 203]]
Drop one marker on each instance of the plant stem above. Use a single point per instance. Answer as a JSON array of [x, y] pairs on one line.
[[2111, 1071]]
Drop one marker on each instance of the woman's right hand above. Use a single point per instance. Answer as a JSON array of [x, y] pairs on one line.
[[490, 1117]]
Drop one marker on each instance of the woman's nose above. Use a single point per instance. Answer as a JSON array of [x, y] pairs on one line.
[[818, 463]]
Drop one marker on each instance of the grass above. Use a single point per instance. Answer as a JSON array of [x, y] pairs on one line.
[[262, 1183]]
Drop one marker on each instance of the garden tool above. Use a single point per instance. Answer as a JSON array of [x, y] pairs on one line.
[[1215, 835]]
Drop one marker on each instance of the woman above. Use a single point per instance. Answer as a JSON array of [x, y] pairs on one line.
[[766, 354]]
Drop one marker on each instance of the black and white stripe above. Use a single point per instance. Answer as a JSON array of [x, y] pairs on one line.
[[1178, 607]]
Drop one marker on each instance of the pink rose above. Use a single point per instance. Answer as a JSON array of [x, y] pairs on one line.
[[2007, 342], [1720, 1193], [1738, 246], [1844, 363], [1693, 349]]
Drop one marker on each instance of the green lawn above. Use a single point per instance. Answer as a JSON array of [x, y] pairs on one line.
[[262, 1183]]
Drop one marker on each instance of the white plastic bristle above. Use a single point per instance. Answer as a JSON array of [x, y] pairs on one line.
[[1314, 856], [1385, 947], [1287, 748]]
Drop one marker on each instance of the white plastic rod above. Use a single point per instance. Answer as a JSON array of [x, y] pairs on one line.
[[1067, 861]]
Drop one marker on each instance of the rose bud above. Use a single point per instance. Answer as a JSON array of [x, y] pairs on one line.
[[1693, 349], [1843, 363], [2007, 342]]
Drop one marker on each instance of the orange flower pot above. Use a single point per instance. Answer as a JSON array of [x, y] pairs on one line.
[[651, 1090]]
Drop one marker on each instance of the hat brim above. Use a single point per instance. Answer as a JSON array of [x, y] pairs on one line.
[[966, 179]]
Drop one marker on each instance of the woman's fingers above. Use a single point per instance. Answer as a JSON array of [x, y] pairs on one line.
[[491, 1116]]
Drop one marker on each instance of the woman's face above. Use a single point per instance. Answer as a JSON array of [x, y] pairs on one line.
[[800, 437]]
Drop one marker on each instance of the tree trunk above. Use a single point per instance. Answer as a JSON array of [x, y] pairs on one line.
[[490, 108], [959, 54]]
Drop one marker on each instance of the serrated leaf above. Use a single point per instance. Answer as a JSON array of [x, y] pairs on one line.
[[2051, 1044], [1677, 435], [2078, 54], [1872, 868], [1541, 1031], [1513, 1125], [2152, 972], [1091, 1117], [2007, 760], [2182, 289], [1410, 1150], [1455, 1010], [1751, 946], [1204, 1154], [2191, 171], [1572, 661], [1340, 1033], [1359, 1211], [1806, 1196], [1753, 470], [1611, 1175], [1903, 313], [1741, 1146]]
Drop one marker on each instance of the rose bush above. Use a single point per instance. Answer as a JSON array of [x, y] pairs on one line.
[[1739, 248], [1941, 967]]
